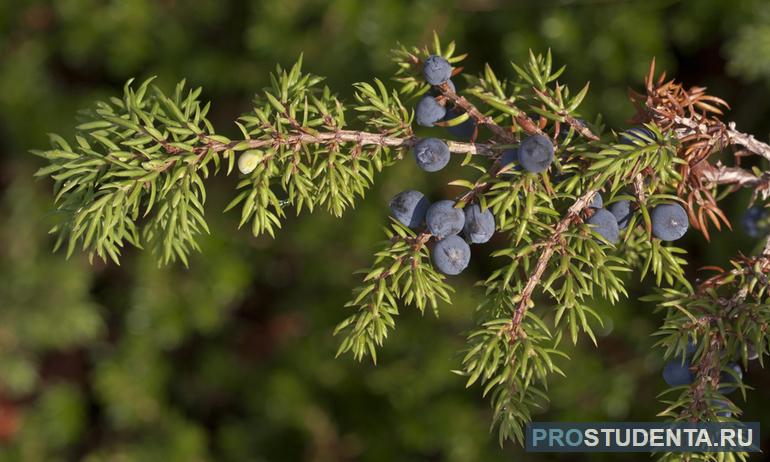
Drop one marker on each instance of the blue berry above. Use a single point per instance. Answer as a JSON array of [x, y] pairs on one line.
[[409, 207], [451, 255], [443, 219], [436, 70], [675, 373], [429, 111], [536, 153], [605, 224], [637, 135], [597, 202], [728, 381], [751, 220], [479, 226], [431, 154], [669, 221], [622, 212], [463, 130]]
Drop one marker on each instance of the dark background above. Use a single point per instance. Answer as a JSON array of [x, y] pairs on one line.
[[233, 359]]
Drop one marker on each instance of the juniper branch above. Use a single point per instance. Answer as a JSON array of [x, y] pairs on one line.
[[732, 135], [718, 175], [723, 175], [747, 141], [360, 138], [548, 248], [707, 372], [480, 117], [296, 122], [573, 122]]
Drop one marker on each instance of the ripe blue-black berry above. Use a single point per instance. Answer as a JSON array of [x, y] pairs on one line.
[[752, 219], [451, 255], [728, 380], [536, 153], [637, 135], [479, 226], [605, 224], [622, 211], [675, 373], [597, 202], [436, 70], [409, 207], [429, 111], [431, 154], [669, 221], [443, 219], [248, 161], [464, 130]]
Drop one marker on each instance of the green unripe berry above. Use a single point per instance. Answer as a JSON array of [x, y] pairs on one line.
[[248, 161]]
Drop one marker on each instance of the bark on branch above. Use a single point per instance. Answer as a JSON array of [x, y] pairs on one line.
[[504, 135], [360, 138], [717, 175], [733, 135], [573, 214]]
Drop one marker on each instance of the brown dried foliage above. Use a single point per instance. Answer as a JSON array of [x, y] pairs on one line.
[[694, 116]]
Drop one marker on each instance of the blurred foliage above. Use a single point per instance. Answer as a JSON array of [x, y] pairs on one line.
[[233, 358]]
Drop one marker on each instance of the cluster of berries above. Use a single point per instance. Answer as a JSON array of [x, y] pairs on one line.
[[534, 154], [430, 110], [678, 372], [669, 220], [444, 221]]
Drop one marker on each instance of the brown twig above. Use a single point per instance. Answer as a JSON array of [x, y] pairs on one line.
[[720, 175], [747, 141], [573, 122], [360, 138], [548, 247], [707, 372], [638, 185], [689, 126], [504, 135], [695, 118]]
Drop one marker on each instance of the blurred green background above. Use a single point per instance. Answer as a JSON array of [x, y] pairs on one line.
[[233, 359]]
